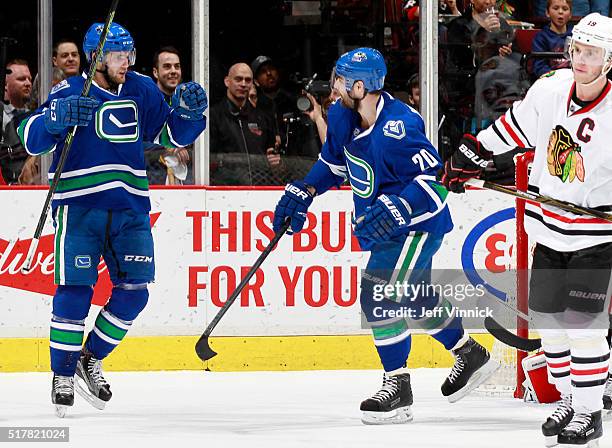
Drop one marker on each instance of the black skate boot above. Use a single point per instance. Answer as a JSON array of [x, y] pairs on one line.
[[62, 393], [96, 390], [583, 429], [473, 365], [391, 404], [557, 421], [607, 399]]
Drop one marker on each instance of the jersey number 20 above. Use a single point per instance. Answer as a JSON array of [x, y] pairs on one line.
[[424, 157]]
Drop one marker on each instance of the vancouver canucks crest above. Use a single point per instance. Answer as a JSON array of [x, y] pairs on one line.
[[117, 121], [394, 129]]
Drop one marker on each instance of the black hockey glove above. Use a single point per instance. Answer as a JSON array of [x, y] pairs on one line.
[[293, 204], [470, 159]]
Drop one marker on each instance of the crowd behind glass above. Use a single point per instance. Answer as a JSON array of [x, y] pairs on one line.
[[267, 123]]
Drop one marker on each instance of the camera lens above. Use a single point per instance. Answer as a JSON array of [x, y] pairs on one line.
[[303, 104]]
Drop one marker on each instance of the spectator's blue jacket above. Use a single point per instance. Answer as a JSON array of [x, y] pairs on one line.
[[548, 40]]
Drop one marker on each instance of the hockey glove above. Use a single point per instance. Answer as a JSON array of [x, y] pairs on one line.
[[383, 219], [470, 159], [74, 110], [294, 205], [190, 101]]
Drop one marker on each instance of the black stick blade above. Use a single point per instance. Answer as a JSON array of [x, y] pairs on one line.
[[203, 349], [509, 338]]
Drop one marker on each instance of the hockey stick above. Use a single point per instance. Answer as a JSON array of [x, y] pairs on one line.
[[202, 347], [68, 142], [567, 206], [505, 336], [509, 338]]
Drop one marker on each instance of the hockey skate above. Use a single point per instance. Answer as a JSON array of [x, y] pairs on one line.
[[607, 400], [473, 366], [90, 383], [62, 393], [557, 421], [583, 430], [391, 404]]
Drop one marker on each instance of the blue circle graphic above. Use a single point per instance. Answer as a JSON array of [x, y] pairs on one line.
[[467, 251]]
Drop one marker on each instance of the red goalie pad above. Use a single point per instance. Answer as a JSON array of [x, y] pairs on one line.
[[536, 380]]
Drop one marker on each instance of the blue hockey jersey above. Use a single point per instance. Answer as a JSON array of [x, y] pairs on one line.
[[105, 167], [392, 156]]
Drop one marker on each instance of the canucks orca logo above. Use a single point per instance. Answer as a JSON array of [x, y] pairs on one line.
[[360, 56], [361, 175], [60, 86], [394, 129], [117, 121]]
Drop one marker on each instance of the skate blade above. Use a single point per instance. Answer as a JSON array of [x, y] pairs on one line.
[[550, 441], [479, 377], [589, 444], [84, 392], [60, 410], [397, 416]]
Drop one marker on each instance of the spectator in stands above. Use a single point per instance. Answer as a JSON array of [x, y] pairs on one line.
[[580, 8], [298, 137], [66, 57], [553, 35], [480, 33], [17, 93], [168, 166], [414, 92], [253, 95], [480, 49], [446, 7], [273, 100], [66, 62], [18, 84], [242, 138]]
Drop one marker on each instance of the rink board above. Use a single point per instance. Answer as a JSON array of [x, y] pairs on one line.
[[300, 311]]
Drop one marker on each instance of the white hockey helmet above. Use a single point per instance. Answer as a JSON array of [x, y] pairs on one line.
[[595, 30]]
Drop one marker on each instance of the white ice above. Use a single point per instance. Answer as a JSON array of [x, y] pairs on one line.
[[270, 409]]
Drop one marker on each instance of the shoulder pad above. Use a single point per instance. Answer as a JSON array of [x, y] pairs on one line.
[[64, 84]]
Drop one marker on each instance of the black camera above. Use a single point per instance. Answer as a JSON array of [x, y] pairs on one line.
[[317, 88]]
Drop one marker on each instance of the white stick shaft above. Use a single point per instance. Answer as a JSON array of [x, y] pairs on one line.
[[31, 251]]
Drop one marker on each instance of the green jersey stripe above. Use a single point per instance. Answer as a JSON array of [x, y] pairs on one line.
[[102, 178]]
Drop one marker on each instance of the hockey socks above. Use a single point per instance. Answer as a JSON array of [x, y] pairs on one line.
[[107, 333], [65, 341]]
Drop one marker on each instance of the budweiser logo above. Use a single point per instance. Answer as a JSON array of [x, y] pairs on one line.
[[40, 278]]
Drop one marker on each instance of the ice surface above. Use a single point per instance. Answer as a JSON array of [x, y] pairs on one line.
[[270, 409]]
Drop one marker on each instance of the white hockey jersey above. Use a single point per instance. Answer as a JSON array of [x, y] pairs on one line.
[[573, 159]]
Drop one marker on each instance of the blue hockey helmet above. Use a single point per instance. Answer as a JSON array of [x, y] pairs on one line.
[[362, 64], [117, 39]]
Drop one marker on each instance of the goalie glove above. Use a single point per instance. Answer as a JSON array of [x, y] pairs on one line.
[[294, 205], [470, 159], [384, 219], [190, 101], [63, 113]]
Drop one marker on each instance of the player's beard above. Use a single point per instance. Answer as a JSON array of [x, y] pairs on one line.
[[349, 102], [112, 80]]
